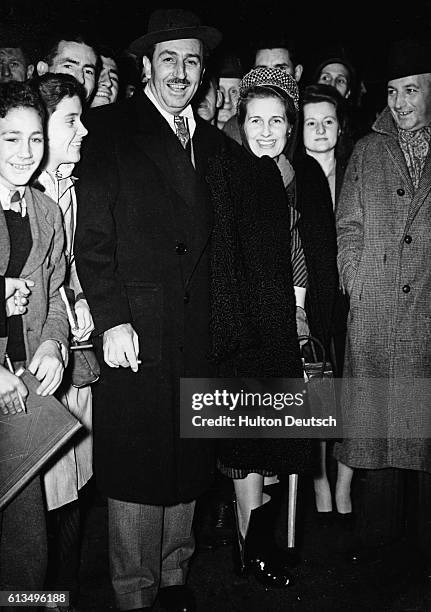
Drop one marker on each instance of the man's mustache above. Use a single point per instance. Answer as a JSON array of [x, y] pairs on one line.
[[178, 82]]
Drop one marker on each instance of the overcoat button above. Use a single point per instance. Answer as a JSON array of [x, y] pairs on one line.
[[406, 289], [180, 248], [186, 297], [400, 192], [408, 239]]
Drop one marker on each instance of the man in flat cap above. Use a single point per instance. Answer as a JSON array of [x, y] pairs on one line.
[[183, 251], [384, 242]]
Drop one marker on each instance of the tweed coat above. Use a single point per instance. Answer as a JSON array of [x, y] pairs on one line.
[[384, 254], [46, 317]]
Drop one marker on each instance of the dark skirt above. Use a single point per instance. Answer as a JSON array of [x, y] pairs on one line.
[[237, 458]]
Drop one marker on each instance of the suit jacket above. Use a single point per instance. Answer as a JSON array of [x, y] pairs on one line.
[[143, 228], [46, 315]]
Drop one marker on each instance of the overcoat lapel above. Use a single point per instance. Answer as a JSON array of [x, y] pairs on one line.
[[157, 140], [397, 157], [155, 137], [423, 189]]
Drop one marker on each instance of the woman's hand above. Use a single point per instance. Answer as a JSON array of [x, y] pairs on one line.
[[47, 365], [84, 320], [302, 325]]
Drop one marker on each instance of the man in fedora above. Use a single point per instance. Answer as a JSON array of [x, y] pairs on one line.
[[142, 245], [384, 250]]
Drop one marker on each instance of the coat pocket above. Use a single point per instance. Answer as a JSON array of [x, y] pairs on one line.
[[146, 306]]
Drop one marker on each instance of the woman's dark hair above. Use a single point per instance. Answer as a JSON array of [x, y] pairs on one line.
[[265, 91], [319, 92], [53, 87], [20, 95]]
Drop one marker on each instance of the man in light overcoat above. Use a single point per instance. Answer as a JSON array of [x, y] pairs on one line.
[[384, 254]]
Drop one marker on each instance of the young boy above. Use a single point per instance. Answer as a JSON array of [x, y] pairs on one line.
[[31, 248]]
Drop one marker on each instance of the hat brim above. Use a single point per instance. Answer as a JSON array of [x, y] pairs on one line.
[[208, 35]]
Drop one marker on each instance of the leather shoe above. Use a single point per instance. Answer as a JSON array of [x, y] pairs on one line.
[[178, 598]]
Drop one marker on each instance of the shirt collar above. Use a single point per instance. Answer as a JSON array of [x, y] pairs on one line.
[[187, 112], [5, 196]]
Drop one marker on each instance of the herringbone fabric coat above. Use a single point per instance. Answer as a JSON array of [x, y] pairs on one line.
[[384, 256]]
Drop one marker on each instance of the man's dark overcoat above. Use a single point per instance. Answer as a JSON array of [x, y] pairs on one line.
[[142, 245]]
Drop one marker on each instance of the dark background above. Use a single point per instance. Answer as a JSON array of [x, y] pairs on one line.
[[364, 28]]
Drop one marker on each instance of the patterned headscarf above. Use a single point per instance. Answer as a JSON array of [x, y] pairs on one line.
[[270, 77]]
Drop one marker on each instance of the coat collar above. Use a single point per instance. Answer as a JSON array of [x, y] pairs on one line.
[[41, 233], [385, 125]]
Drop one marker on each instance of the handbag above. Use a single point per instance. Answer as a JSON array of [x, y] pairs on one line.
[[319, 376], [84, 366]]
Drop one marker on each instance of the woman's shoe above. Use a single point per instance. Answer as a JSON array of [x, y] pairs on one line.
[[346, 537], [325, 519], [257, 554]]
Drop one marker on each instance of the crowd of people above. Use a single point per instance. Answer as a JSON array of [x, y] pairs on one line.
[[207, 219]]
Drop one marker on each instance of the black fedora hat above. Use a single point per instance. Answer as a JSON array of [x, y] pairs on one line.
[[173, 24], [408, 57]]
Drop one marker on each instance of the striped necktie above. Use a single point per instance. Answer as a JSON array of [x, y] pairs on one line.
[[182, 130]]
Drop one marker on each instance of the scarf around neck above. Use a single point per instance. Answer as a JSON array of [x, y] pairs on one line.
[[415, 147]]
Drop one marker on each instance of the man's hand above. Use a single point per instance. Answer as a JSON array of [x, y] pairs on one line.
[[11, 387], [17, 291], [121, 347], [84, 320], [47, 366]]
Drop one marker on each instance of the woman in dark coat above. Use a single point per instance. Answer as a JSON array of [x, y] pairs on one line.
[[266, 114], [322, 115]]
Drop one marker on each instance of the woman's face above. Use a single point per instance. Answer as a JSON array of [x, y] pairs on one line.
[[266, 126], [321, 127], [65, 133]]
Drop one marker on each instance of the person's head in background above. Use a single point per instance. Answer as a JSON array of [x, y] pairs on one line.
[[107, 88], [64, 98], [278, 52], [15, 62], [132, 76], [75, 54], [230, 73], [336, 69], [208, 99], [322, 113], [22, 116]]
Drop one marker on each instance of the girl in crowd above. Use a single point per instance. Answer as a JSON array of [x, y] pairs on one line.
[[323, 120], [267, 113], [64, 97]]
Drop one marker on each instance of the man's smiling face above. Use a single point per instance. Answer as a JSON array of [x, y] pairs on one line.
[[409, 100], [175, 72]]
